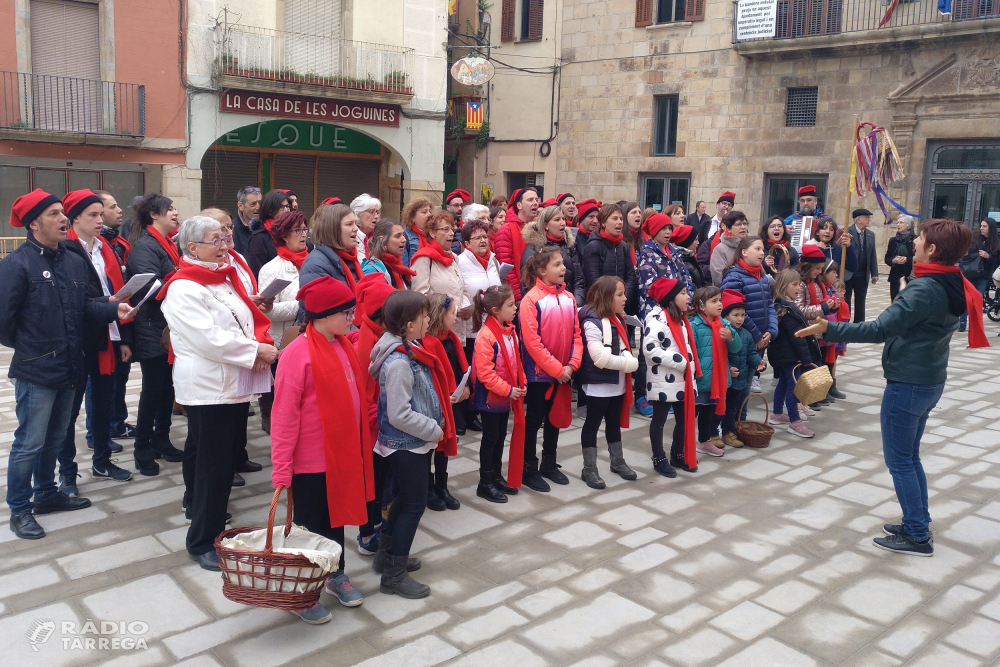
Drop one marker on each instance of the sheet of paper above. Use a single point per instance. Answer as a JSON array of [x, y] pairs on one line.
[[274, 288], [152, 292], [505, 268], [134, 284], [462, 383], [632, 321], [253, 382]]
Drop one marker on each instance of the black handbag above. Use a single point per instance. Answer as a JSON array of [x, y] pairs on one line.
[[973, 266]]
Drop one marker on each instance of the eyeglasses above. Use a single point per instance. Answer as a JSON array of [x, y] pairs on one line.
[[741, 223], [372, 211], [479, 237], [214, 242], [301, 230], [284, 207], [248, 190]]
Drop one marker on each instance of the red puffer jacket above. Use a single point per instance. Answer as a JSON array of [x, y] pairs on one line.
[[503, 246]]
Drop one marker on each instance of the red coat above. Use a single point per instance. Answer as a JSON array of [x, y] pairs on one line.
[[503, 246]]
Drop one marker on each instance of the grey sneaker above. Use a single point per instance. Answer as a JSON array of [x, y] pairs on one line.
[[904, 544], [67, 484], [112, 472], [340, 585], [314, 615], [897, 529]]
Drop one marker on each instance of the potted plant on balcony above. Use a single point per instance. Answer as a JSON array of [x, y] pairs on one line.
[[396, 80]]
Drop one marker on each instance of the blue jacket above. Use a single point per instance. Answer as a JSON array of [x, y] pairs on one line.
[[760, 307], [703, 342], [324, 261], [412, 245], [745, 361]]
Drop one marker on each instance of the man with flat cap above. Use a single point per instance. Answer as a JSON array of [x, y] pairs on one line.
[[863, 240]]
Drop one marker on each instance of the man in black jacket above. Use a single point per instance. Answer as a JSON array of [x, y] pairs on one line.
[[863, 239], [45, 312], [247, 206]]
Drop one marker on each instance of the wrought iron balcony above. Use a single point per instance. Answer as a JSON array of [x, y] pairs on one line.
[[798, 19], [64, 104], [315, 60]]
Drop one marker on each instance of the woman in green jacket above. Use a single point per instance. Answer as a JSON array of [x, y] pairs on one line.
[[916, 330]]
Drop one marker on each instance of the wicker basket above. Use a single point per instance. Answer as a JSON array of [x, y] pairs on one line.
[[755, 434], [250, 577], [812, 386]]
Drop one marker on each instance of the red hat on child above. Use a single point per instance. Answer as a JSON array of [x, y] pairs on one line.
[[811, 253], [728, 196], [663, 290], [324, 297], [75, 202], [551, 201], [683, 235], [807, 190], [28, 207], [330, 201], [732, 299], [655, 223], [372, 291], [464, 194], [584, 208]]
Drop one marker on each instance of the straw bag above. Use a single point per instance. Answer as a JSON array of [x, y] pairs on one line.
[[276, 579], [755, 434], [812, 386]]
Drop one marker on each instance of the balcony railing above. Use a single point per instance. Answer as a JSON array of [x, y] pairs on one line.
[[810, 18], [262, 53], [65, 104]]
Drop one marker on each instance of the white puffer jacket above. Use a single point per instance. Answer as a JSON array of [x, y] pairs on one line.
[[664, 362], [209, 345], [477, 279]]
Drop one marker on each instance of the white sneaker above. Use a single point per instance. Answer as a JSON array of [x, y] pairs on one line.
[[774, 381], [755, 386], [806, 411]]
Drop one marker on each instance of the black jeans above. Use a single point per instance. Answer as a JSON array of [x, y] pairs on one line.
[[707, 423], [156, 402], [380, 470], [858, 286], [602, 408], [895, 275], [311, 510], [536, 413], [639, 377], [660, 411], [98, 418], [410, 471], [119, 411], [209, 459], [734, 400], [491, 446]]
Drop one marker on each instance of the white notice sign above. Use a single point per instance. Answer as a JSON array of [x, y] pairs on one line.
[[755, 18]]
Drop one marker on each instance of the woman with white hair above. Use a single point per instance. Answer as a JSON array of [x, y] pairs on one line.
[[476, 212], [367, 209], [217, 335], [899, 254]]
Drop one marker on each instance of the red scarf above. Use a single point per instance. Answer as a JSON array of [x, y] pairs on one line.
[[113, 270], [715, 240], [816, 296], [402, 274], [515, 465], [349, 479], [973, 300], [295, 258], [720, 365], [623, 337], [238, 259], [613, 240], [690, 444], [484, 261], [782, 242], [434, 345], [169, 246], [552, 239], [203, 276], [268, 223], [518, 243], [755, 271], [441, 373], [349, 259], [367, 337], [436, 253], [120, 240]]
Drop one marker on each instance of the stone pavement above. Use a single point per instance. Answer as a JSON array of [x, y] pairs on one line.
[[763, 557]]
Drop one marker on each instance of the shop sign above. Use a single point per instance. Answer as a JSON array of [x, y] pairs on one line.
[[301, 135], [309, 108]]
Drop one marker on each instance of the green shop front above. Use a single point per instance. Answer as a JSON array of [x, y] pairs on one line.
[[315, 159]]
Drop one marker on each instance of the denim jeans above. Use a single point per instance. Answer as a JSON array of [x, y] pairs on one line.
[[119, 411], [980, 284], [734, 401], [905, 408], [42, 418], [410, 470], [98, 419], [784, 393]]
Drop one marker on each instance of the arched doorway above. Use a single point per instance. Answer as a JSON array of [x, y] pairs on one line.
[[316, 160]]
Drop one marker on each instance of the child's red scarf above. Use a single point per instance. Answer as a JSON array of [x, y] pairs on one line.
[[515, 466], [690, 443]]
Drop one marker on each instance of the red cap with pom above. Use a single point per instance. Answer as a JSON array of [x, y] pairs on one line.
[[76, 201], [807, 190], [732, 299], [324, 297], [28, 207], [372, 291], [811, 253], [655, 223], [463, 194], [683, 235], [330, 201], [663, 290], [728, 196], [586, 207]]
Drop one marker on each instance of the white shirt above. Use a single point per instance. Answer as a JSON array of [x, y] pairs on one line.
[[714, 227], [362, 250], [97, 259]]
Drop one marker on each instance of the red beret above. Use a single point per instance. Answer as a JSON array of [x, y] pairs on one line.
[[807, 190], [464, 194], [683, 235], [290, 193], [655, 223], [728, 196], [585, 207], [551, 201], [732, 299], [663, 290], [811, 253], [330, 201], [561, 197], [76, 201], [372, 291], [324, 297], [28, 207]]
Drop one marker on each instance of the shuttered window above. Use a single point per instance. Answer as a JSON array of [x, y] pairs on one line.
[[225, 173], [531, 19], [643, 12], [694, 10], [347, 178], [507, 21], [312, 36], [295, 172], [65, 39]]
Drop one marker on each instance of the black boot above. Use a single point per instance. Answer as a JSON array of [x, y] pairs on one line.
[[532, 479], [487, 488], [266, 401], [434, 501], [661, 466], [679, 463], [550, 470], [590, 474], [835, 393], [501, 483], [441, 490], [397, 581], [145, 459], [384, 544], [164, 449]]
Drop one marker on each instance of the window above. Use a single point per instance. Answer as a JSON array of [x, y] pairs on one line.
[[665, 124], [531, 19], [801, 108], [51, 52], [802, 18], [668, 11], [507, 21], [782, 193], [537, 181], [661, 190]]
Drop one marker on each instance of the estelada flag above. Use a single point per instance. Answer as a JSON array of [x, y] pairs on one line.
[[474, 115], [452, 7]]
